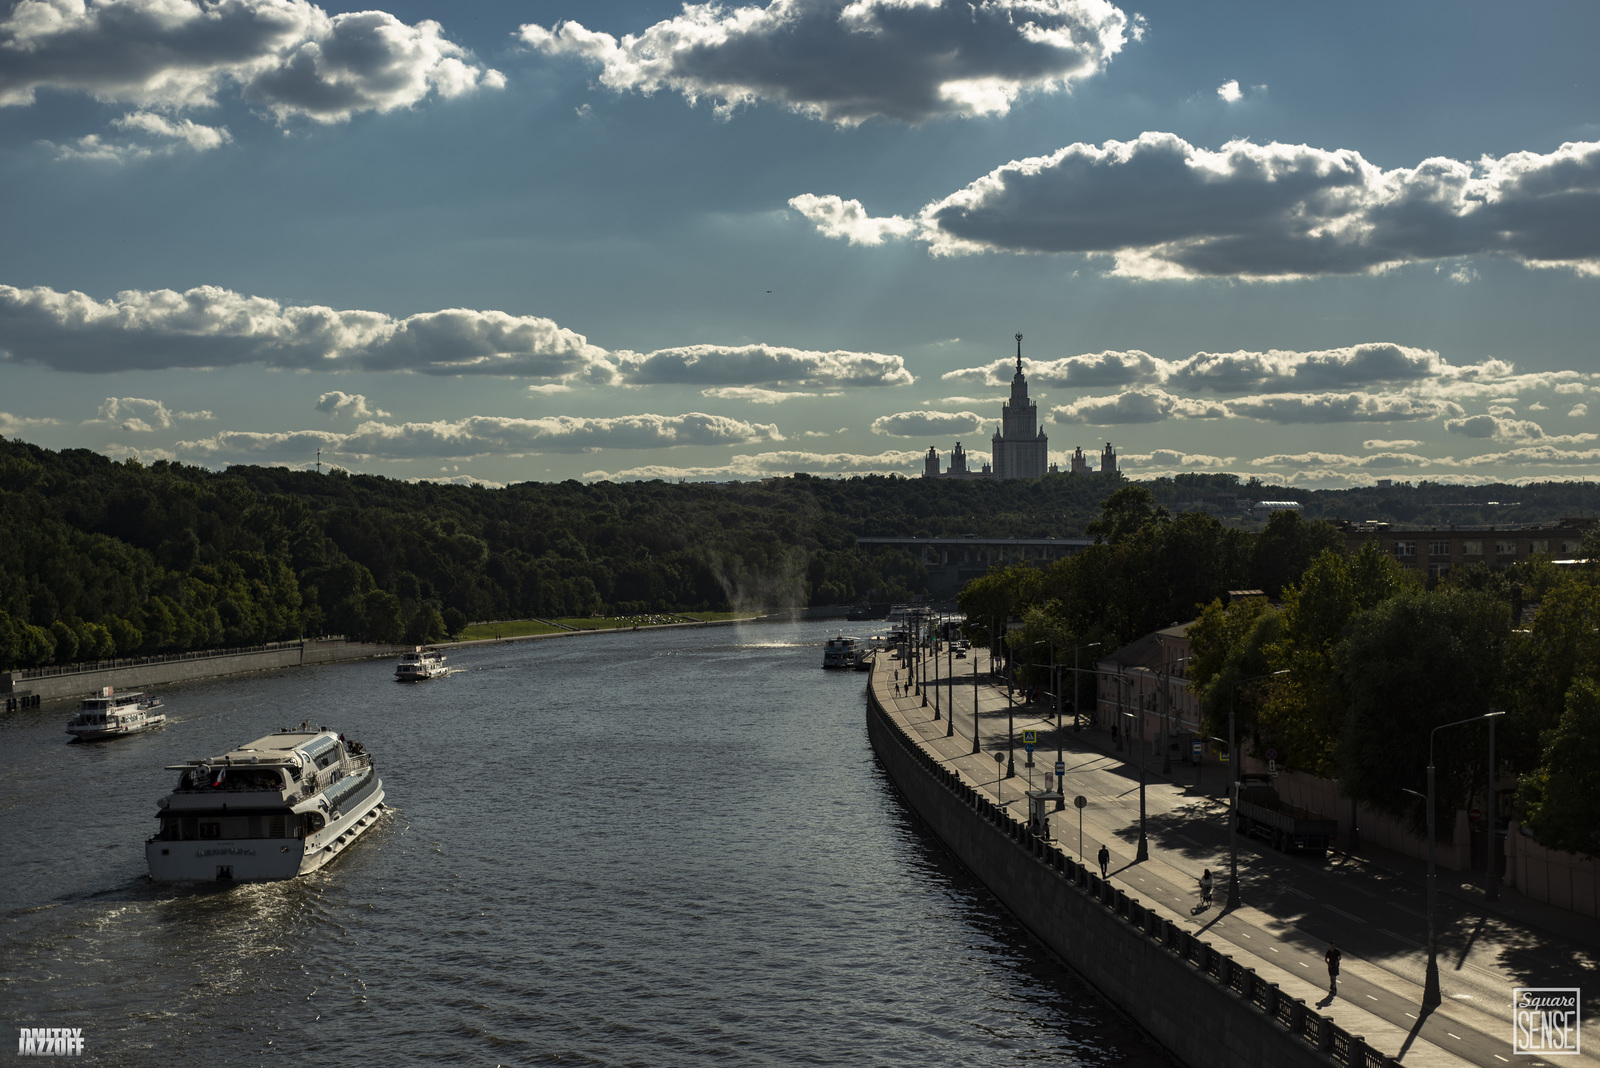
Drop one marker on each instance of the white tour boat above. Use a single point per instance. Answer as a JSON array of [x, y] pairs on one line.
[[420, 664], [841, 652], [281, 806], [112, 715]]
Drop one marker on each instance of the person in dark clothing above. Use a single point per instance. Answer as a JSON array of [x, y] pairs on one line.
[[1105, 860], [1332, 957]]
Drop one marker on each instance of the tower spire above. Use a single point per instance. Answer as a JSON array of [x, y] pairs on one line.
[[1019, 354]]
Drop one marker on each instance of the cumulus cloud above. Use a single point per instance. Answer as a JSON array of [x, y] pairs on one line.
[[1136, 406], [1498, 428], [354, 405], [1162, 208], [767, 464], [1534, 454], [461, 480], [846, 62], [749, 365], [753, 394], [1170, 459], [927, 424], [289, 58], [1089, 370], [1578, 411], [140, 414], [836, 217], [161, 136], [1353, 407], [1325, 460], [1399, 443], [1230, 91], [483, 435], [212, 327], [12, 425]]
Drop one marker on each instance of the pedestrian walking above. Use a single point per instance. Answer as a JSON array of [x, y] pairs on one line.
[[1104, 856], [1332, 957]]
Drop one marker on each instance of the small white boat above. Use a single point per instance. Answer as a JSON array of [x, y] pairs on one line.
[[420, 664], [281, 806], [112, 715], [841, 652]]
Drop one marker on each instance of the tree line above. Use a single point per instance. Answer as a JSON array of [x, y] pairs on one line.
[[1362, 658]]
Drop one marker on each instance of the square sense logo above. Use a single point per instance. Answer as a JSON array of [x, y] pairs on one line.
[[1545, 1020]]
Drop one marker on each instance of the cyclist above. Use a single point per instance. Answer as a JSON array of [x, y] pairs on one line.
[[1205, 888]]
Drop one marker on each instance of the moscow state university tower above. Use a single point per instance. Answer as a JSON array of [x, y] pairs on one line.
[[1020, 449]]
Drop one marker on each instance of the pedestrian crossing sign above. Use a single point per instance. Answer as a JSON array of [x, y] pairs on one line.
[[1030, 737]]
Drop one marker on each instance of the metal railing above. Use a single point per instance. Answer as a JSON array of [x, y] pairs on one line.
[[82, 667]]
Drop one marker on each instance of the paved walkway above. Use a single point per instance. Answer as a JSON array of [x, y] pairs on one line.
[[1374, 908]]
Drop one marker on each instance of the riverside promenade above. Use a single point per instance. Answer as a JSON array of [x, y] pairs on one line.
[[1291, 906]]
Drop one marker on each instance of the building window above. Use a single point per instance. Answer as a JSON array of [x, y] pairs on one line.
[[1568, 548], [1540, 547], [1438, 570], [1505, 548], [1472, 548], [1405, 548], [1438, 548]]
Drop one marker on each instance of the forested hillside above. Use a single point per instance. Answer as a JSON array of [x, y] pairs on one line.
[[101, 558]]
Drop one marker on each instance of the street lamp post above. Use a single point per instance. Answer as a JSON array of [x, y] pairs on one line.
[[974, 703], [1011, 733], [934, 656], [950, 673], [1430, 984], [1233, 790]]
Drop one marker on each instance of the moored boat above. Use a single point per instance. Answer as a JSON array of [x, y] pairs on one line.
[[113, 715], [841, 652], [420, 664], [278, 807]]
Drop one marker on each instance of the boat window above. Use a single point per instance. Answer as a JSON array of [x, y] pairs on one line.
[[210, 828], [236, 826], [191, 828], [275, 827], [313, 822]]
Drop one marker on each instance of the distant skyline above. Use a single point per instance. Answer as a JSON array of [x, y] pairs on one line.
[[550, 240]]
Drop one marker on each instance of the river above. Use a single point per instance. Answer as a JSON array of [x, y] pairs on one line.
[[653, 848]]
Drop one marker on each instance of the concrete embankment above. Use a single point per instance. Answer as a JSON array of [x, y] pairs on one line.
[[1207, 1008], [162, 671]]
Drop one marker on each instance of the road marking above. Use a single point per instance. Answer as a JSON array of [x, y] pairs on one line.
[[1186, 838], [1401, 938], [1303, 964], [1454, 1036], [1409, 1015], [1371, 998], [1412, 912], [1273, 948], [1297, 890], [1346, 915], [1247, 936], [1500, 1058]]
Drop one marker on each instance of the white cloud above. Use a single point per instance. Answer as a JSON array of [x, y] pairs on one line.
[[1570, 387], [767, 464], [1399, 443], [1089, 370], [1161, 461], [1229, 91], [750, 365], [1498, 428], [1165, 209], [1578, 411], [753, 394], [287, 57], [846, 62], [1136, 406], [1537, 407], [1355, 407], [461, 480], [122, 409], [1324, 460], [484, 435], [212, 327], [354, 405], [12, 425], [1534, 454], [161, 137], [836, 217], [927, 424]]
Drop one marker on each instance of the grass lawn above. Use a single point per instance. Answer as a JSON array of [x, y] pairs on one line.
[[511, 628]]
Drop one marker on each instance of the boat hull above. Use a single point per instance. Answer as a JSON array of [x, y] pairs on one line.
[[262, 859], [101, 734]]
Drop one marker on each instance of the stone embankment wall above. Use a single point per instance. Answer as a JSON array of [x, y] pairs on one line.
[[1206, 1008], [160, 671]]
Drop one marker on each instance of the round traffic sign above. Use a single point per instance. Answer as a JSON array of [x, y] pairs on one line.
[[1272, 754], [1475, 815], [1080, 801]]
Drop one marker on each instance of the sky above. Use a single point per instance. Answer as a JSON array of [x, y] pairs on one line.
[[613, 240]]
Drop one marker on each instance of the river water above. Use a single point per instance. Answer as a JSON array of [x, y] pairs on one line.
[[654, 848]]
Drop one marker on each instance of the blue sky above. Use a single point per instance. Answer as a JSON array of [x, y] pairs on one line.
[[558, 240]]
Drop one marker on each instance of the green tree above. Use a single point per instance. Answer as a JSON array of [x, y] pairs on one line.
[[1286, 547], [1561, 798], [1413, 663]]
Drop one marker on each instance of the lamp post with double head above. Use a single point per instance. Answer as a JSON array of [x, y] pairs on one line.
[[1430, 983], [1233, 790]]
